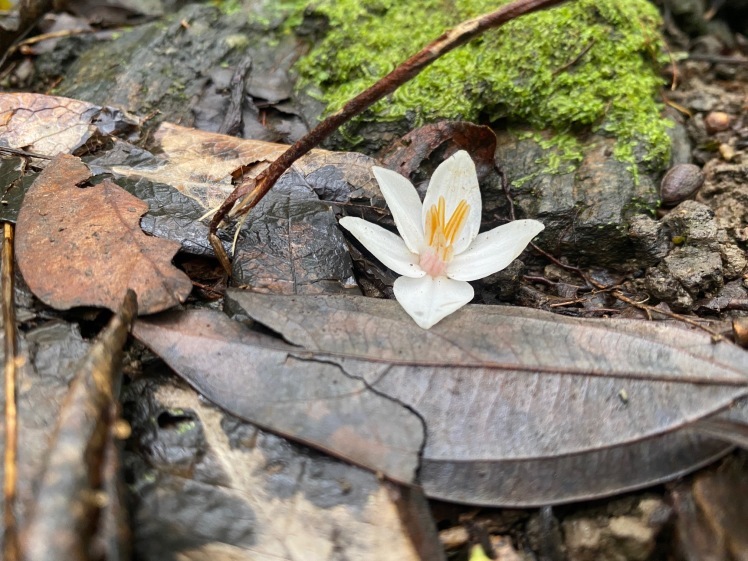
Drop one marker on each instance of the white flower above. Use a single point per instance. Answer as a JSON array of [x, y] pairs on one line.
[[440, 249]]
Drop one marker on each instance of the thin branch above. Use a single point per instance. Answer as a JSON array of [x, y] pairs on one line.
[[252, 191], [10, 528]]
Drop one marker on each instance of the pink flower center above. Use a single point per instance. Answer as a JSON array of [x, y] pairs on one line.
[[440, 236]]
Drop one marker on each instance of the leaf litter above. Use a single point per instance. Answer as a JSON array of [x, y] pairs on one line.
[[395, 520]]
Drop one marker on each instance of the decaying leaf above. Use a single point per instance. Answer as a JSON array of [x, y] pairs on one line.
[[211, 486], [200, 164], [52, 125], [84, 247], [407, 154], [520, 407]]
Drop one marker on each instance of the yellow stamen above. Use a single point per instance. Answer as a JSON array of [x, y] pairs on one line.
[[456, 221], [440, 233]]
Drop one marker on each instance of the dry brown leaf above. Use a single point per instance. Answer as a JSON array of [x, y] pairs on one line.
[[84, 247], [200, 164], [52, 125]]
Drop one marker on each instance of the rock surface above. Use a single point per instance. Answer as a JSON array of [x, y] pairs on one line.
[[694, 267], [588, 212]]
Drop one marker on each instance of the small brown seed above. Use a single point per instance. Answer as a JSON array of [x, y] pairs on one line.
[[717, 121], [680, 182]]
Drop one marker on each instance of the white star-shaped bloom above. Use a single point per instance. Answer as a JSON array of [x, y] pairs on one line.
[[440, 249]]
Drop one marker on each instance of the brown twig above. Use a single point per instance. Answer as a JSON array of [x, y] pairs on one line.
[[10, 529], [252, 191], [24, 153]]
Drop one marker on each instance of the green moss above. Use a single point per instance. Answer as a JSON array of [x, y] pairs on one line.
[[585, 66]]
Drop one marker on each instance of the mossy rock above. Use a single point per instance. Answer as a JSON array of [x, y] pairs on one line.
[[585, 66]]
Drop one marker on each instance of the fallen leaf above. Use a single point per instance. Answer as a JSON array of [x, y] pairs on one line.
[[520, 407], [292, 244], [200, 164], [208, 485], [52, 125], [84, 247], [408, 153], [203, 165], [330, 410]]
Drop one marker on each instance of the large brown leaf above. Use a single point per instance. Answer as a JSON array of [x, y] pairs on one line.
[[84, 247], [520, 407]]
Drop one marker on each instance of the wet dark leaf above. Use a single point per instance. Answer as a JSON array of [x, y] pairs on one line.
[[292, 244], [84, 247], [208, 485], [521, 407]]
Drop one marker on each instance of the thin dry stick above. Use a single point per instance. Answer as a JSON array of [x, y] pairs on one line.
[[256, 189], [10, 529]]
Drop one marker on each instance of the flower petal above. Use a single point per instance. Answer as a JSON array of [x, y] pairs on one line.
[[455, 180], [385, 246], [428, 300], [493, 250], [404, 204]]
